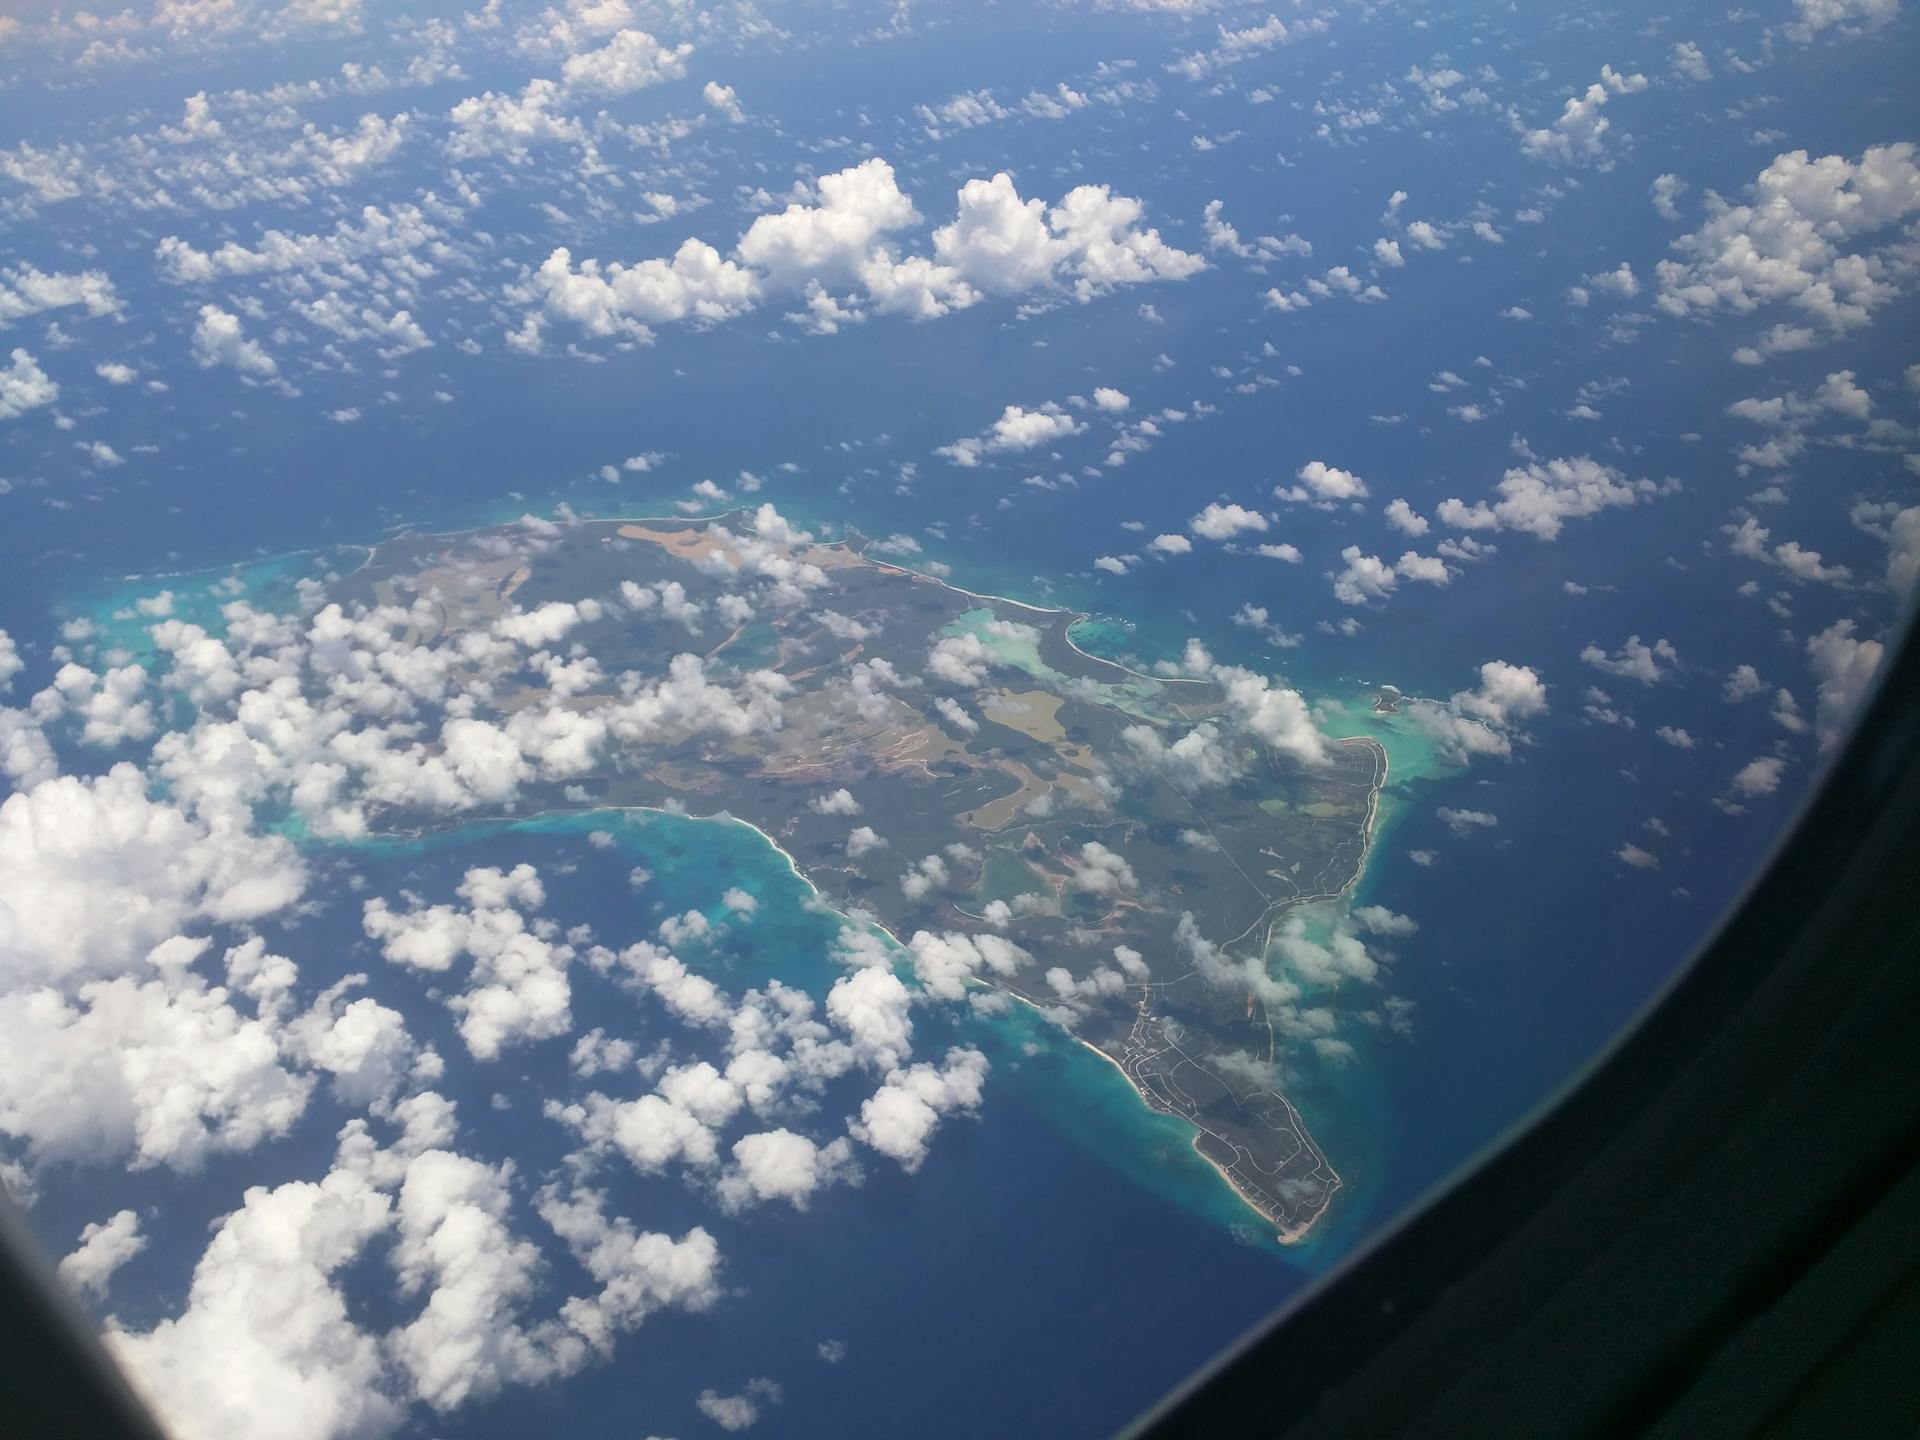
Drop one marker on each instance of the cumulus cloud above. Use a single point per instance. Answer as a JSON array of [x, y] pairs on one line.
[[517, 989], [1275, 715], [1853, 16], [781, 1165], [1844, 666], [1367, 577], [1540, 497], [153, 1065], [1199, 759], [389, 236], [833, 251], [696, 283], [1465, 822], [722, 100], [1799, 241], [1403, 518], [26, 290], [24, 386], [265, 1344], [1017, 429], [1758, 777], [631, 60], [1321, 481], [742, 1411], [219, 339], [1232, 47], [944, 963], [496, 124], [901, 1116], [103, 1249], [1485, 720], [1578, 135], [1223, 522], [837, 802], [1634, 660], [94, 874]]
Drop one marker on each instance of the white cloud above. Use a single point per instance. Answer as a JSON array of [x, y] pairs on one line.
[[453, 1241], [1758, 777], [1232, 46], [24, 386], [1465, 822], [834, 251], [1402, 517], [93, 875], [1579, 134], [780, 1165], [25, 290], [837, 802], [1485, 720], [400, 235], [154, 1065], [1634, 660], [1795, 242], [1853, 15], [1223, 522], [265, 1345], [1018, 428], [1845, 667], [742, 1412], [871, 1006], [1368, 577], [1199, 759], [722, 100], [900, 1118], [1326, 482], [632, 60], [219, 339], [696, 284], [944, 963], [103, 1249], [1277, 716], [1691, 61], [518, 989], [1541, 497], [495, 124], [1619, 282]]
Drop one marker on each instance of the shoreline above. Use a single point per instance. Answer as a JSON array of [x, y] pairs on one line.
[[1066, 635], [1284, 1234]]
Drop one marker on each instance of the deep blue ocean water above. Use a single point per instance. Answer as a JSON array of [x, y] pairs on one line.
[[1062, 1258]]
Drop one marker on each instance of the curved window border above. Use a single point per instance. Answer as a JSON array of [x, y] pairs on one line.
[[1717, 1217]]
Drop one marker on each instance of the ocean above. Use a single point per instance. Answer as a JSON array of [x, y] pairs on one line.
[[1063, 1258]]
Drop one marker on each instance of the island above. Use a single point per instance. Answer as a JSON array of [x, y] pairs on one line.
[[1114, 848]]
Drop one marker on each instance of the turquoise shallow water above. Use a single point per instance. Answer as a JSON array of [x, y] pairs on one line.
[[1071, 1089], [1066, 1193], [1059, 1229]]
